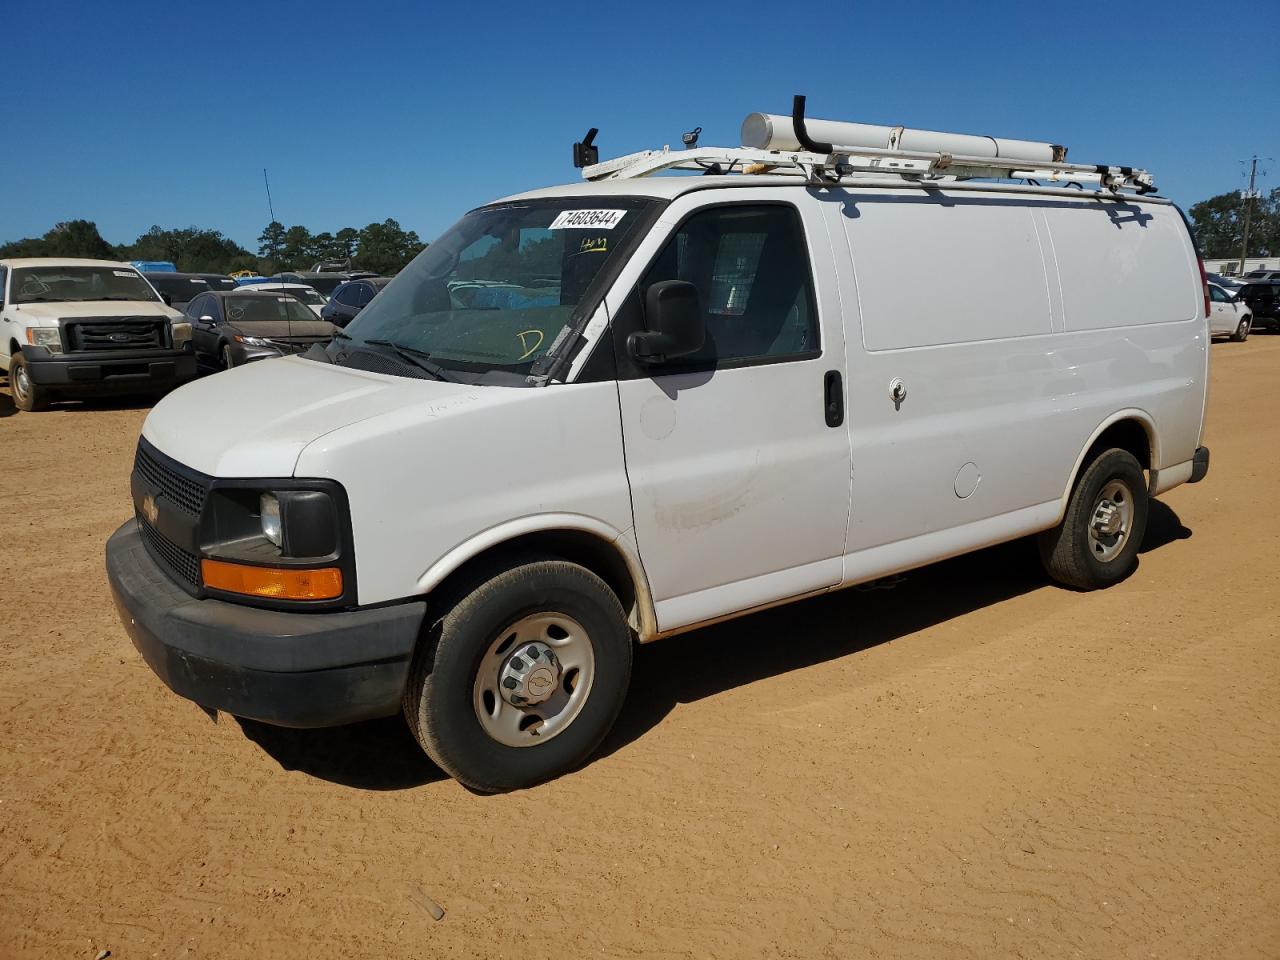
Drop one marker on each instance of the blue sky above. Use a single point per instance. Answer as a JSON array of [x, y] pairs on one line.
[[133, 114]]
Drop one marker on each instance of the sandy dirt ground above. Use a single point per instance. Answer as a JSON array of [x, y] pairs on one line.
[[975, 764]]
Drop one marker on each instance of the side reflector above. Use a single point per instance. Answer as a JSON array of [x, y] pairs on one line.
[[275, 583]]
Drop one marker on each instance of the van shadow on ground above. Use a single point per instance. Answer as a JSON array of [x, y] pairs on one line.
[[383, 755]]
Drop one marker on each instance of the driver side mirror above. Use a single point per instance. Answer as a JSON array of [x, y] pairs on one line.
[[677, 327], [206, 319]]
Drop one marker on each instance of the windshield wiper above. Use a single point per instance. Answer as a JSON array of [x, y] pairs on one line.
[[419, 358]]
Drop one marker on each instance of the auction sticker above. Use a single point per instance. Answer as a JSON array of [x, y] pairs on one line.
[[588, 219], [124, 273]]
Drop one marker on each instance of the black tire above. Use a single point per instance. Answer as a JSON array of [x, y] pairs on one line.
[[27, 396], [1242, 331], [228, 361], [438, 700], [1068, 554]]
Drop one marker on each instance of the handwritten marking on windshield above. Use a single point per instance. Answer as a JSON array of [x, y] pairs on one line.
[[524, 343]]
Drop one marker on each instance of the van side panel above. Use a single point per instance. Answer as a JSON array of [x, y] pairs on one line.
[[964, 316], [1007, 377], [966, 271], [1118, 263], [1137, 336]]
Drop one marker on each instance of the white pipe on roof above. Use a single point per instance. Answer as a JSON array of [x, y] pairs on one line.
[[767, 131]]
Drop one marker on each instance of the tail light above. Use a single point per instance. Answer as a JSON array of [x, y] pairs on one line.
[[1204, 286]]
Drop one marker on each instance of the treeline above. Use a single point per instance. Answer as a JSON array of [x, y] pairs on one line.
[[381, 247], [1219, 223], [386, 247]]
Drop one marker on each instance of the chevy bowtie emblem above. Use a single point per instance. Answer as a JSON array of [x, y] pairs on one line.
[[150, 510]]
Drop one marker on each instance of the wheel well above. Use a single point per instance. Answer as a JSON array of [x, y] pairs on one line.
[[1128, 435], [577, 546]]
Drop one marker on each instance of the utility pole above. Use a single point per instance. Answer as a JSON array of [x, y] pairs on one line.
[[1248, 209]]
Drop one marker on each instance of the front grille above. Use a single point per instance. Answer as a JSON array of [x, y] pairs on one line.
[[185, 493], [181, 563], [295, 344], [112, 334]]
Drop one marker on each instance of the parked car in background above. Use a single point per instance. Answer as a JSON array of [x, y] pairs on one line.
[[306, 294], [1227, 315], [153, 266], [235, 327], [77, 327], [324, 283], [1233, 285], [350, 298], [1263, 303], [1253, 276], [218, 281], [177, 289]]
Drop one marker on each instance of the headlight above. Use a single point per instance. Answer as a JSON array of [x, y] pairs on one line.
[[181, 333], [269, 507], [254, 341], [48, 337], [278, 542]]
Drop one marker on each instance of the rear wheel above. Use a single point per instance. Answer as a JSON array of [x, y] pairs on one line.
[[522, 677], [27, 395], [1242, 331], [1097, 542]]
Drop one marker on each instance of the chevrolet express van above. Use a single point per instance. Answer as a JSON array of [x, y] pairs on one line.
[[604, 413]]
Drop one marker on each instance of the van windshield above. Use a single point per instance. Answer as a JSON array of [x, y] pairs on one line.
[[498, 288], [78, 284]]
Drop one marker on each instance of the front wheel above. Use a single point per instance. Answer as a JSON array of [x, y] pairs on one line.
[[522, 677], [1096, 544], [27, 394], [228, 359], [1242, 331]]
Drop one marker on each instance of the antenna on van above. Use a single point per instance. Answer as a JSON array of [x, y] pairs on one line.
[[829, 151]]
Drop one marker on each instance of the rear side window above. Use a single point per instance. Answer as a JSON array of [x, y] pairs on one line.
[[751, 268], [347, 295], [364, 293]]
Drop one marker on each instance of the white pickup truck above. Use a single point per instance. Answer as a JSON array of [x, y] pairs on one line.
[[613, 411], [78, 327]]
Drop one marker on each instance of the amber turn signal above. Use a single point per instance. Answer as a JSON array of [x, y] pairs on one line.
[[273, 583]]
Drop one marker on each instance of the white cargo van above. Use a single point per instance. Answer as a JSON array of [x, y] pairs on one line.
[[604, 413]]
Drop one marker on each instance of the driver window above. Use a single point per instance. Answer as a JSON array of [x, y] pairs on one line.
[[751, 268], [1218, 295]]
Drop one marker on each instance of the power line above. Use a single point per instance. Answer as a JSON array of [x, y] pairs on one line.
[[1249, 196]]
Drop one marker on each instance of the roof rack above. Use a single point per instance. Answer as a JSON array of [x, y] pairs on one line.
[[782, 145]]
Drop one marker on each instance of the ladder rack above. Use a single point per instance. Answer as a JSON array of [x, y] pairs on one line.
[[833, 163]]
